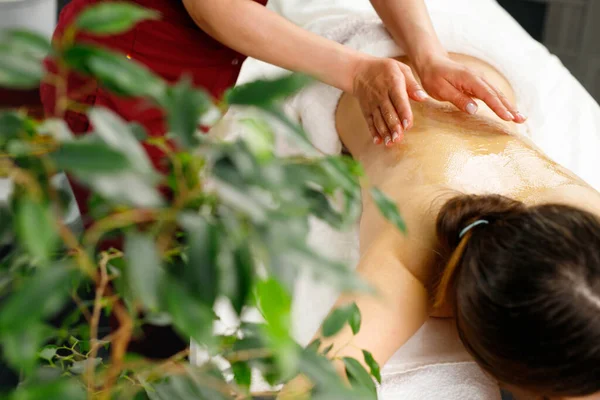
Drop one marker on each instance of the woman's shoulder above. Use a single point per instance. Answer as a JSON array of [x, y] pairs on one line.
[[410, 257], [576, 194]]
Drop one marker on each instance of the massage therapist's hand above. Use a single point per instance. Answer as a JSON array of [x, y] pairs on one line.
[[448, 80], [383, 88]]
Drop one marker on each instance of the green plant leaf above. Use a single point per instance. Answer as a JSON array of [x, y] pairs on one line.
[[48, 353], [185, 105], [36, 227], [79, 367], [322, 374], [373, 366], [20, 348], [189, 386], [124, 188], [82, 157], [315, 345], [56, 128], [113, 18], [296, 252], [158, 319], [26, 42], [11, 125], [352, 207], [241, 199], [242, 374], [359, 376], [260, 139], [21, 54], [327, 350], [293, 131], [19, 70], [254, 341], [116, 72], [190, 317], [6, 225], [265, 92], [388, 209], [118, 135], [135, 185], [274, 303], [63, 389], [138, 131], [201, 272], [354, 320], [339, 317], [173, 388], [41, 295], [322, 208], [144, 270], [244, 269], [339, 172], [21, 148]]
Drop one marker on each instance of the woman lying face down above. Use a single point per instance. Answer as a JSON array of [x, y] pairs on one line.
[[500, 238]]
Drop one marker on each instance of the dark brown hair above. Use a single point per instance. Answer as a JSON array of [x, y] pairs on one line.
[[527, 291]]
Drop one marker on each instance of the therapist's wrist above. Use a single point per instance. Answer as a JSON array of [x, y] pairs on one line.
[[358, 63], [344, 74], [425, 57], [337, 68]]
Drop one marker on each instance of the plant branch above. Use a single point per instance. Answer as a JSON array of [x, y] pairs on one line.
[[246, 355], [119, 347], [100, 289], [121, 220], [20, 177]]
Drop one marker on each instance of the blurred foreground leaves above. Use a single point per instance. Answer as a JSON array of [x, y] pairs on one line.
[[229, 220]]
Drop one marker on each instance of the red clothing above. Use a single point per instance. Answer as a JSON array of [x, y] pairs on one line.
[[171, 47]]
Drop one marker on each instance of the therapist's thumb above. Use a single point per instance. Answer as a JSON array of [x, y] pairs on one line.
[[414, 90]]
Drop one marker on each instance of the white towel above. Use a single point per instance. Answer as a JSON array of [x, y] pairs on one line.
[[452, 381]]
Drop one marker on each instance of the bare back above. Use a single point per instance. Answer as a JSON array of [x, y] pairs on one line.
[[447, 151]]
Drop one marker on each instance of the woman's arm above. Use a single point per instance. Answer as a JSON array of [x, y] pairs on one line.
[[409, 23], [382, 86], [389, 318]]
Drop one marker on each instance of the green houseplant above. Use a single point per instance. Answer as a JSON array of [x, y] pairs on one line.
[[235, 228]]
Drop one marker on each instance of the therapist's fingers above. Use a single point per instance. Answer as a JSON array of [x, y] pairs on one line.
[[474, 85], [390, 117], [373, 131], [446, 91], [381, 127], [401, 102], [519, 118], [413, 88], [379, 85], [399, 95]]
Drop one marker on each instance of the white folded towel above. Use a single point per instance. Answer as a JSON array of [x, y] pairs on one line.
[[452, 381]]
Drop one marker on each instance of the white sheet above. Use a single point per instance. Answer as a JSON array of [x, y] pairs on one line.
[[563, 120]]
